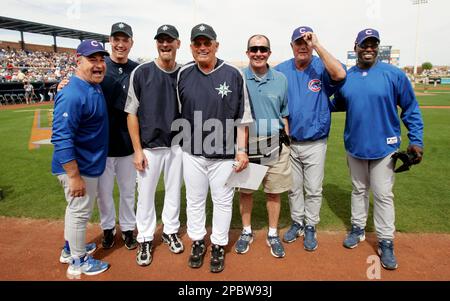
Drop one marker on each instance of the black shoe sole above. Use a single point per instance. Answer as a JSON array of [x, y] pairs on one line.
[[195, 265], [132, 247], [108, 246], [214, 269]]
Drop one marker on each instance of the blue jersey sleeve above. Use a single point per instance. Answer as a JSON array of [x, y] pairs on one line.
[[332, 86], [66, 118], [410, 115]]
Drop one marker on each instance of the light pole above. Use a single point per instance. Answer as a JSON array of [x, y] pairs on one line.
[[418, 3]]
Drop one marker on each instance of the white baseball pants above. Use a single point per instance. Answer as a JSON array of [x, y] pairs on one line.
[[168, 160], [121, 168], [200, 174]]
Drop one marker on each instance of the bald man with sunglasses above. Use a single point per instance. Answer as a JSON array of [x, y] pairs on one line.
[[268, 94]]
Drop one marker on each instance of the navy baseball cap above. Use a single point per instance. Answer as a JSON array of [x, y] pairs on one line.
[[204, 30], [365, 34], [89, 47], [299, 32], [123, 28], [169, 30]]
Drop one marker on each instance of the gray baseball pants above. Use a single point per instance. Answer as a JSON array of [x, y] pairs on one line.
[[308, 165], [78, 213], [377, 175]]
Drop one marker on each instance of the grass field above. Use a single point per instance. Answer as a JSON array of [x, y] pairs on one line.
[[422, 196]]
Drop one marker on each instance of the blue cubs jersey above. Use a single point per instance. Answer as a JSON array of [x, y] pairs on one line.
[[80, 128], [309, 93], [371, 99]]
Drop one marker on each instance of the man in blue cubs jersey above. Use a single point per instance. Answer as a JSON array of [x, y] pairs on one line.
[[215, 107], [119, 164], [80, 138], [152, 107], [370, 97], [312, 81]]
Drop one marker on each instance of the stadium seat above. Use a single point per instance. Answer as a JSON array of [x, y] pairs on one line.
[[9, 99], [15, 98], [21, 97]]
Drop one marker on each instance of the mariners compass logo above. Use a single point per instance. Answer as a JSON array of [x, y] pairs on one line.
[[223, 90]]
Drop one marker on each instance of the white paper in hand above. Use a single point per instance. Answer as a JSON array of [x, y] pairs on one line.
[[249, 178]]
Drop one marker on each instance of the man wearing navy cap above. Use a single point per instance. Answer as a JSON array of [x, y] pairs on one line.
[[212, 95], [312, 81], [370, 96], [80, 139], [152, 107], [119, 165]]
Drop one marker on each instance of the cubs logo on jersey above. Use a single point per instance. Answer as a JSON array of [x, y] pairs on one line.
[[315, 85]]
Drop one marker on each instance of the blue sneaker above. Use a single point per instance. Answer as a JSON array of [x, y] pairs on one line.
[[296, 230], [355, 236], [276, 247], [386, 252], [65, 252], [310, 242], [243, 243], [86, 265]]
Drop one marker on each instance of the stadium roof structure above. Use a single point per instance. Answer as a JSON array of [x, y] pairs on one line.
[[45, 29]]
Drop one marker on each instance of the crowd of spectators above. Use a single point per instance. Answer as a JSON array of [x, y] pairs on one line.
[[22, 65]]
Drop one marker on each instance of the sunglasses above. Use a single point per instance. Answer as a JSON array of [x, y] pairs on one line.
[[262, 49], [369, 45]]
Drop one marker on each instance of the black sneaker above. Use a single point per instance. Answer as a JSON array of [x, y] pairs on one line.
[[217, 259], [198, 251], [144, 254], [108, 238], [174, 242], [130, 241]]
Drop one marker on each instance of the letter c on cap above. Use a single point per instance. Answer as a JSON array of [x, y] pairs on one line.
[[369, 32], [302, 30], [94, 43]]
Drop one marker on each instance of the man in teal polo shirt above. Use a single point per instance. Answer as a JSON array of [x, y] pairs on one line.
[[268, 93]]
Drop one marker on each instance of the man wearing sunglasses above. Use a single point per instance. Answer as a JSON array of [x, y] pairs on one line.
[[370, 97], [213, 100], [268, 94], [312, 81], [152, 107]]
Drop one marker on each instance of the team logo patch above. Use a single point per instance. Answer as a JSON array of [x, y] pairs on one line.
[[223, 90], [315, 85]]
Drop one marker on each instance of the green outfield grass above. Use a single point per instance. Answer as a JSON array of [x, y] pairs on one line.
[[422, 196], [435, 99]]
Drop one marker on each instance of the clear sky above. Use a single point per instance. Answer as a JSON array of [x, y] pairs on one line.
[[336, 23]]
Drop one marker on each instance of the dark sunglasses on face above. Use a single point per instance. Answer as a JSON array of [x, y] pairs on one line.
[[262, 49], [369, 45]]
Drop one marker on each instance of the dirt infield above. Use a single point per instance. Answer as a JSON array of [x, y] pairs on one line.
[[38, 242]]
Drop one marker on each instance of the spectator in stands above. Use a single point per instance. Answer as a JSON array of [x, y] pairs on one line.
[[29, 91]]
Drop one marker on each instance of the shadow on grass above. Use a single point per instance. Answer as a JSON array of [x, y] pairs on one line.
[[339, 201]]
